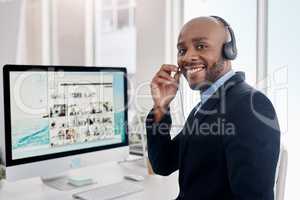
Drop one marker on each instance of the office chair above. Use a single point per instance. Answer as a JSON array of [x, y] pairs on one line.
[[281, 172]]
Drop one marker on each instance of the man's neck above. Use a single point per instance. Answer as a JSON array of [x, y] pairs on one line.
[[225, 70], [222, 74]]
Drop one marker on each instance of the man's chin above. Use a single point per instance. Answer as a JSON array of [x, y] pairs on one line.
[[198, 86]]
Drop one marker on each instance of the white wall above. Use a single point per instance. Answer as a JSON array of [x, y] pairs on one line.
[[120, 44], [150, 23], [8, 41], [68, 32], [9, 24]]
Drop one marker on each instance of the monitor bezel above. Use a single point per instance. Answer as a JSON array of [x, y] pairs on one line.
[[7, 115]]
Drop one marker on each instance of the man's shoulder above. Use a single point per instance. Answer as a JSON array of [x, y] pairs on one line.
[[240, 90], [244, 97]]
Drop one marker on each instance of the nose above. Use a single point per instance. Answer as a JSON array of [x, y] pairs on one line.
[[190, 56]]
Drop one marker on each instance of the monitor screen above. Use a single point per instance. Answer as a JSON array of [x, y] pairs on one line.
[[58, 111]]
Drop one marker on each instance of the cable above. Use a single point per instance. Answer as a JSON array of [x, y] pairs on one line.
[[181, 100]]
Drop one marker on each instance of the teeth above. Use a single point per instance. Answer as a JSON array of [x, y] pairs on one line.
[[195, 69]]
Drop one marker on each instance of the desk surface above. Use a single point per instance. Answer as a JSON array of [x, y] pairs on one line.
[[155, 187]]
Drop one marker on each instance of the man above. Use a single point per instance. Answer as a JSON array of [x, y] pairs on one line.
[[229, 145]]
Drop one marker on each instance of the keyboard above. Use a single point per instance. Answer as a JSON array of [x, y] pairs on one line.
[[112, 191]]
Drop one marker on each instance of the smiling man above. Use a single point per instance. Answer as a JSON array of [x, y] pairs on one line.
[[229, 145]]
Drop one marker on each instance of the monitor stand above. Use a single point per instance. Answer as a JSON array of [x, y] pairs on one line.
[[65, 182]]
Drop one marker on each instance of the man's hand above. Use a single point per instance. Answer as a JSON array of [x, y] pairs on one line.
[[164, 88]]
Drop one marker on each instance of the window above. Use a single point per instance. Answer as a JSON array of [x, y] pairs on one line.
[[68, 35], [283, 81], [115, 34], [67, 32]]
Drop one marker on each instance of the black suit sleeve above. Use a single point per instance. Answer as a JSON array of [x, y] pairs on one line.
[[163, 151], [252, 151]]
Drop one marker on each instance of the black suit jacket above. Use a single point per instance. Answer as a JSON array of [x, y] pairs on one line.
[[228, 150]]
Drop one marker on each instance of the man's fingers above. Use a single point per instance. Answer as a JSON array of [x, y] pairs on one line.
[[169, 68], [165, 75], [162, 81]]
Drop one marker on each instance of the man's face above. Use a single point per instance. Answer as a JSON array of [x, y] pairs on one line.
[[200, 51]]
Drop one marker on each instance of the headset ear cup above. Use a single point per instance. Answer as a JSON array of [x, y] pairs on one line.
[[228, 51]]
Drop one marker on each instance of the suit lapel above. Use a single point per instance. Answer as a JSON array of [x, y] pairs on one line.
[[208, 108]]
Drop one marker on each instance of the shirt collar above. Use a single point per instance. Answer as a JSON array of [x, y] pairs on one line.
[[215, 86]]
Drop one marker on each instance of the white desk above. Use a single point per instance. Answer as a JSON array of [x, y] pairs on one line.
[[155, 187]]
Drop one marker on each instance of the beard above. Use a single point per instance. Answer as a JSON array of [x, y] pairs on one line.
[[214, 72]]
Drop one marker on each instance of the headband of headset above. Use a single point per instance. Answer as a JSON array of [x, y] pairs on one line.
[[229, 50]]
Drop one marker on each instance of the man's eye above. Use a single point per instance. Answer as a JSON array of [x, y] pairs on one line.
[[181, 51], [200, 46]]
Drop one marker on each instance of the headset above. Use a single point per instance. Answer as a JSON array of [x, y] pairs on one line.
[[229, 50]]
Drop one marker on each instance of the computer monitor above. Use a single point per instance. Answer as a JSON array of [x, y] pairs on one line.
[[62, 117]]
